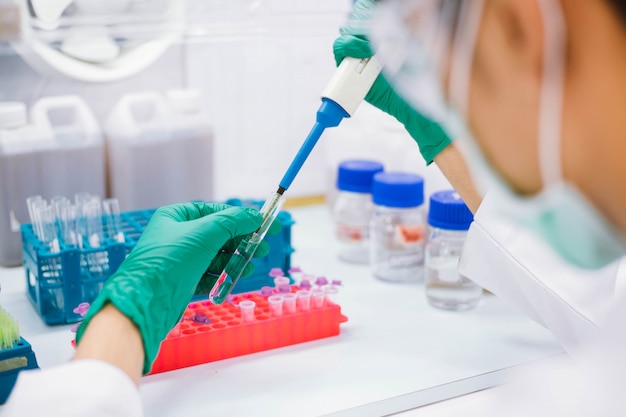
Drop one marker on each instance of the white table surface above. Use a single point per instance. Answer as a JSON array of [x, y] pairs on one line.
[[395, 353]]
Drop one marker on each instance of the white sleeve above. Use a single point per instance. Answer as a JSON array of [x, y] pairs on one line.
[[82, 387], [519, 267]]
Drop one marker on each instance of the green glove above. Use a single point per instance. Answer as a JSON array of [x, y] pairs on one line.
[[181, 251], [429, 136]]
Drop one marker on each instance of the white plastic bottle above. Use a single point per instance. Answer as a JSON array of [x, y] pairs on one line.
[[76, 161], [449, 219], [353, 208], [59, 151], [160, 151], [398, 227]]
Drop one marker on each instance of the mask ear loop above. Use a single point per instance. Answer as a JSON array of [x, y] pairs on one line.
[[463, 46], [551, 97]]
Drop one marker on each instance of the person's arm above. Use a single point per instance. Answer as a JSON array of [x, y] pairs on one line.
[[453, 166], [113, 338], [434, 143]]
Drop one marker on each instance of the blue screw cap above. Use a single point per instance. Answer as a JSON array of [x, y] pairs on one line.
[[356, 175], [398, 189], [448, 211]]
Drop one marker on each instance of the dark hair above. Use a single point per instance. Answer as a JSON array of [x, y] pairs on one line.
[[620, 8]]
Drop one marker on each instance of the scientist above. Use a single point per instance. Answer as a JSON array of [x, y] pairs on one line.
[[532, 89]]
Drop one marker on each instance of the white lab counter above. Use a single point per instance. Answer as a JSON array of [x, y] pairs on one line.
[[395, 352]]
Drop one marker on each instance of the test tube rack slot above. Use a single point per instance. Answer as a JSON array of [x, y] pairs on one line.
[[227, 336]]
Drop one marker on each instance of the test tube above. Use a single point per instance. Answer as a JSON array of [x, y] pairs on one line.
[[34, 203], [319, 297], [247, 311], [276, 305], [93, 220], [304, 300], [49, 229], [289, 301], [29, 204], [69, 224], [244, 252], [111, 207]]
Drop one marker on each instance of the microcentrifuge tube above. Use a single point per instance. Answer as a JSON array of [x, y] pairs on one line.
[[276, 305], [247, 311], [289, 302], [331, 294], [318, 296], [278, 281], [304, 300]]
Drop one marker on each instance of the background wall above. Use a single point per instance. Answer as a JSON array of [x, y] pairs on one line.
[[260, 83]]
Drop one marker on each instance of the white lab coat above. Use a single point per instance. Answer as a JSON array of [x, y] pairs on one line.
[[584, 310], [84, 387], [578, 306], [516, 265]]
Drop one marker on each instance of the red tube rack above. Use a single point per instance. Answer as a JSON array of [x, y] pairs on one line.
[[226, 336]]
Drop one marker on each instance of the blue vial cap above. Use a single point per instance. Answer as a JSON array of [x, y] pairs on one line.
[[356, 175], [398, 189], [448, 211]]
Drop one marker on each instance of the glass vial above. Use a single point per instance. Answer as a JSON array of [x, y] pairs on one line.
[[353, 208], [449, 219], [398, 227]]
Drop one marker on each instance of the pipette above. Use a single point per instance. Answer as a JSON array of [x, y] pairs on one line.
[[346, 90]]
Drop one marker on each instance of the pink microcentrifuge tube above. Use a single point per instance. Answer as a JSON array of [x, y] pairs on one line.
[[247, 311], [304, 300], [331, 294], [318, 296], [278, 281], [289, 301], [276, 305], [276, 272]]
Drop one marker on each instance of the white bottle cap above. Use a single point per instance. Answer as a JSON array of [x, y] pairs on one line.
[[12, 114], [184, 101]]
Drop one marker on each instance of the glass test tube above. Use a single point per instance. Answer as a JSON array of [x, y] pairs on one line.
[[244, 252], [111, 207]]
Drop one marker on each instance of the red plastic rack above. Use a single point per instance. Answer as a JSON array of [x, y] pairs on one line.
[[226, 336]]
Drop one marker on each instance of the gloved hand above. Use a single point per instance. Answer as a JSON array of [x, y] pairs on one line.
[[181, 251], [353, 42]]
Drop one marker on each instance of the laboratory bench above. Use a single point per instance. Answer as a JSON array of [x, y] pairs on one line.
[[395, 352]]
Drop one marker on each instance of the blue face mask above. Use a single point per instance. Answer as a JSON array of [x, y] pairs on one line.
[[560, 213]]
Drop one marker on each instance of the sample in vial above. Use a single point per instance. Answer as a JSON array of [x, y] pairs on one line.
[[398, 227], [449, 219]]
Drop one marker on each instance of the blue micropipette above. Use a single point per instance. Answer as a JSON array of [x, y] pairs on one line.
[[345, 91]]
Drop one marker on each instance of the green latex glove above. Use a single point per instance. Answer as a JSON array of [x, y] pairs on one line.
[[182, 250], [353, 42]]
